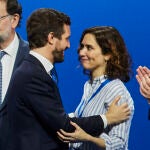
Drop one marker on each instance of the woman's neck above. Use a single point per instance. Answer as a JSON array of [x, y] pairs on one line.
[[96, 73]]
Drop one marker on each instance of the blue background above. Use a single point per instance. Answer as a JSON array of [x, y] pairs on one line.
[[132, 19]]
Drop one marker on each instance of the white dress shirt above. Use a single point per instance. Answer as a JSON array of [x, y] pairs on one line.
[[8, 61]]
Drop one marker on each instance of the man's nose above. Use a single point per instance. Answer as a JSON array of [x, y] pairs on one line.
[[68, 44]]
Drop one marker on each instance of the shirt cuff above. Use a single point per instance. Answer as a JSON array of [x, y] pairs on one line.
[[104, 120], [71, 115]]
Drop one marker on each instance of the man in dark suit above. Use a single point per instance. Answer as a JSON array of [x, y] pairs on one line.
[[35, 109], [14, 48]]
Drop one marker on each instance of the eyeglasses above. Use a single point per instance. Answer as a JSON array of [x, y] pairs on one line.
[[3, 17]]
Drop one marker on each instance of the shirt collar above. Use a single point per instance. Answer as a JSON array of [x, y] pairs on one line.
[[99, 79], [45, 62], [13, 47]]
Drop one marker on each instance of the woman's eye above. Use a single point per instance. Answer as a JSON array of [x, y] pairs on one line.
[[89, 47]]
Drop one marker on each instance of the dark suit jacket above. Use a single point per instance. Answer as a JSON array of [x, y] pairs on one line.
[[36, 112], [22, 51]]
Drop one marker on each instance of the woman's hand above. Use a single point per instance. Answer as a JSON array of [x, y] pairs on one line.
[[78, 135]]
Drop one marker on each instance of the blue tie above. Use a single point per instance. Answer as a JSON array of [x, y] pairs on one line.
[[53, 74], [2, 53]]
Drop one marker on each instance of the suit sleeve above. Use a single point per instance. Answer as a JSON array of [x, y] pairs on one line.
[[43, 98]]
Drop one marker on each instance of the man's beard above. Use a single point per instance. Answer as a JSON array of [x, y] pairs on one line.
[[58, 56], [4, 37]]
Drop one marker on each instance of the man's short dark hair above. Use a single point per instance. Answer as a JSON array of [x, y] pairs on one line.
[[14, 7], [42, 22]]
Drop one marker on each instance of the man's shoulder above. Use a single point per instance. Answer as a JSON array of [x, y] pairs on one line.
[[23, 43]]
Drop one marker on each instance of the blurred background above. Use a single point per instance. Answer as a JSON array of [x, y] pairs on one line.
[[132, 19]]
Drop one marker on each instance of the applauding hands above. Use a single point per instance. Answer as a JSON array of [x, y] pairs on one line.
[[143, 78]]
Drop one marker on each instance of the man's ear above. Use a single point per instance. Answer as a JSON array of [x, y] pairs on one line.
[[15, 20], [51, 38]]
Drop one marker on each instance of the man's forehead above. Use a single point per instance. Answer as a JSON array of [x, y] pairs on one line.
[[67, 30]]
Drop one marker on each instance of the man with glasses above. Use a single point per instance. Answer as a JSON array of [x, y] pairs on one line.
[[12, 51]]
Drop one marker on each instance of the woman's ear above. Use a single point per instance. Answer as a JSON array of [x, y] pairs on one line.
[[107, 57]]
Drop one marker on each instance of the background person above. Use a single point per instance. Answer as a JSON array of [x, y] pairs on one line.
[[14, 49], [143, 78]]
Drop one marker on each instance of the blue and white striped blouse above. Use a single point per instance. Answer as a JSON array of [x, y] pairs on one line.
[[116, 136]]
